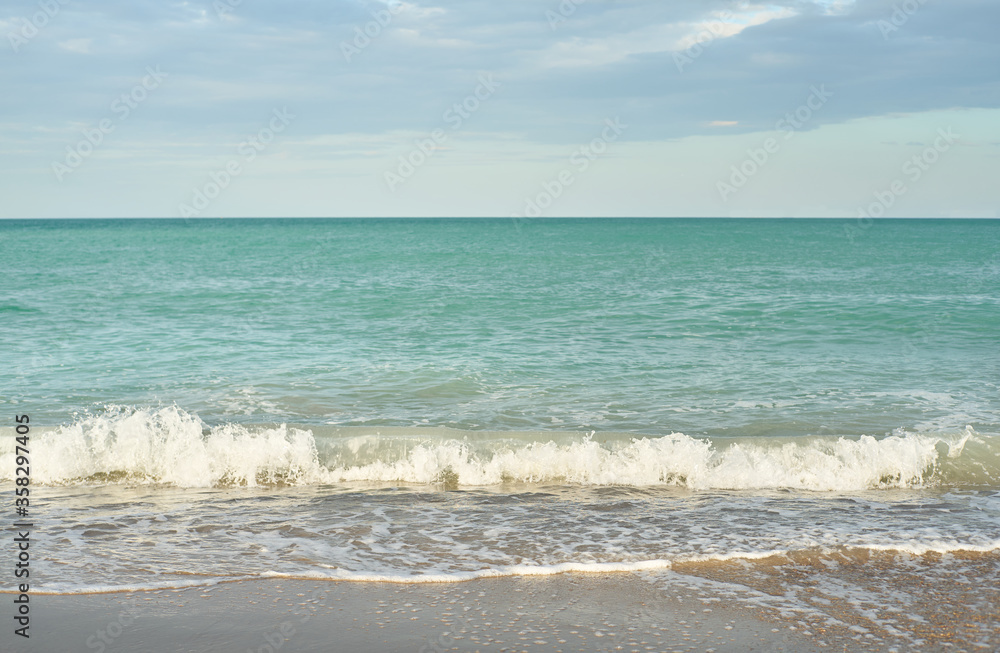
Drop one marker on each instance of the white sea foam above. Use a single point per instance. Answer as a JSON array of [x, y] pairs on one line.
[[59, 588], [171, 446], [494, 572], [412, 577]]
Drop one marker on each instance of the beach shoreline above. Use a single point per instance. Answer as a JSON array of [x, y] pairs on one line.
[[699, 608]]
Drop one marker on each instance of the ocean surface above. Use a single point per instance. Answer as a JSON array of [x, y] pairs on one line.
[[428, 400]]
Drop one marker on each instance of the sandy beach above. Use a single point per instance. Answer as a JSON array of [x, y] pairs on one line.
[[698, 608], [559, 613]]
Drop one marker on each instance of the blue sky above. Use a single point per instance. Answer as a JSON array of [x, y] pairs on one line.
[[835, 108]]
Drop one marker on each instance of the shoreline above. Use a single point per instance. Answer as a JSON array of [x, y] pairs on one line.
[[871, 603]]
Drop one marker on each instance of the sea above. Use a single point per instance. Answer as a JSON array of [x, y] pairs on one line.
[[718, 404]]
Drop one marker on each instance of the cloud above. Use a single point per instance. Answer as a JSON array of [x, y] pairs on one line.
[[80, 46], [751, 63], [606, 58]]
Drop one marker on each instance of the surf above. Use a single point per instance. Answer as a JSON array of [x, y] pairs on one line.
[[168, 445]]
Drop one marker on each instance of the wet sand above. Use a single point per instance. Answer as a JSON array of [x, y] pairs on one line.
[[572, 612], [832, 602]]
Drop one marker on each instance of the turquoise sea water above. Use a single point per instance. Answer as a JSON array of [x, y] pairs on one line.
[[441, 399], [722, 327]]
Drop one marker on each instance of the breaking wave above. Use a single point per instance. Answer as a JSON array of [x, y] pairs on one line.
[[171, 446]]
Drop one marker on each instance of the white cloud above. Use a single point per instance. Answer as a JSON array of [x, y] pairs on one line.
[[80, 46], [416, 11], [723, 24], [666, 37], [416, 37], [836, 7]]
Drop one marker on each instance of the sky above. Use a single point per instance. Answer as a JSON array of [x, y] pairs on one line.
[[527, 108]]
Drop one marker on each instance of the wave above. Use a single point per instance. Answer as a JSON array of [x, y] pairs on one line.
[[816, 558], [171, 446]]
